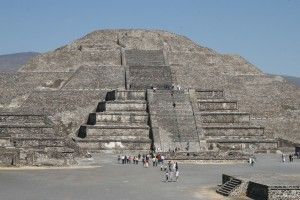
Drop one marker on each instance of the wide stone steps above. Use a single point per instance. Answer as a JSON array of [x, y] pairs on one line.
[[242, 140], [209, 94], [125, 95], [38, 142], [232, 130], [216, 105], [119, 123], [7, 120], [118, 138], [122, 106], [95, 145], [228, 187], [224, 117], [118, 117]]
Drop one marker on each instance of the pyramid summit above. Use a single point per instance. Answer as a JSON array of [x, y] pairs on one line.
[[136, 90]]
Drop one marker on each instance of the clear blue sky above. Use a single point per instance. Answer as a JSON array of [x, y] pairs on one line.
[[265, 32]]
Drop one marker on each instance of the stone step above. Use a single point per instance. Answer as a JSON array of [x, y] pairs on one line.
[[122, 106], [38, 142], [222, 192], [25, 126], [215, 105], [125, 139], [218, 131], [130, 95], [113, 130], [96, 145], [118, 117], [251, 140], [224, 117], [228, 187], [22, 120], [209, 94]]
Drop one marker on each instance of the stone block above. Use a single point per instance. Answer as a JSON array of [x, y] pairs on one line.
[[125, 106], [209, 105], [225, 117], [104, 117]]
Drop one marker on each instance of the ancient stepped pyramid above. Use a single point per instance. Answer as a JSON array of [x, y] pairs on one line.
[[140, 89]]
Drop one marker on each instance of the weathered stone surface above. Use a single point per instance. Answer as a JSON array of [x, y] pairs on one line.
[[68, 83]]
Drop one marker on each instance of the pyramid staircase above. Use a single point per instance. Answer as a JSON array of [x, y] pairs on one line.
[[120, 123], [224, 126], [228, 187]]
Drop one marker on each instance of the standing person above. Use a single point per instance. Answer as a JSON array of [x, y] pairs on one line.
[[119, 159], [153, 161], [123, 159], [177, 175], [133, 159], [139, 156], [176, 166], [136, 160], [156, 161], [169, 165], [162, 159], [283, 157], [173, 167], [252, 162], [167, 175]]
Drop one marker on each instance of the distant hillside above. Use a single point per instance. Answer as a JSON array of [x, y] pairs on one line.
[[295, 80], [12, 62]]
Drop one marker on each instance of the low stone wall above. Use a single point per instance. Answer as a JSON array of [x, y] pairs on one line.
[[260, 191], [207, 155], [284, 192], [9, 157]]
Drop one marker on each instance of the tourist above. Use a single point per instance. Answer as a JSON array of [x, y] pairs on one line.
[[252, 162], [167, 176], [170, 165], [136, 160], [291, 157], [283, 157], [156, 161], [176, 166], [171, 175], [176, 175], [133, 159], [153, 161], [123, 159], [130, 160], [162, 159]]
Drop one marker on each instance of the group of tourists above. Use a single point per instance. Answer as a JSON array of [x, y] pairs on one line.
[[145, 159], [170, 169], [291, 157]]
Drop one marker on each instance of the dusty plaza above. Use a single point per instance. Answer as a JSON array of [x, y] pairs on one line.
[[66, 116], [105, 179]]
